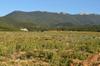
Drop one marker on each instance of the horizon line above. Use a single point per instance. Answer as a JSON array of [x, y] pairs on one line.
[[81, 13]]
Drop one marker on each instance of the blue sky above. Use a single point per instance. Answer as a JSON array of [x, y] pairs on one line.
[[68, 6]]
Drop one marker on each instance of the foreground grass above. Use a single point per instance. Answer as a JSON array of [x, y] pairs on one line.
[[51, 48]]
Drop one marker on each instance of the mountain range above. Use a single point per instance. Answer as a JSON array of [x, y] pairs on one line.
[[42, 20]]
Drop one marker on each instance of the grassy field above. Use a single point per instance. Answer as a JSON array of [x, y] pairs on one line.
[[51, 48]]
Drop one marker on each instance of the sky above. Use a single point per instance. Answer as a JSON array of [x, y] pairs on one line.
[[67, 6]]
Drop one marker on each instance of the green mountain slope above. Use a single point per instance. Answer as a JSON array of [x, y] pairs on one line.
[[38, 20]]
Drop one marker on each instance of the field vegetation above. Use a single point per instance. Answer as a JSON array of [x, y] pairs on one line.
[[48, 48]]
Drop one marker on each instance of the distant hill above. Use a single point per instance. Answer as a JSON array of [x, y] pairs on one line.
[[38, 20]]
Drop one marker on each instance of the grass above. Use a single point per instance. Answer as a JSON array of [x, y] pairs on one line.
[[51, 48]]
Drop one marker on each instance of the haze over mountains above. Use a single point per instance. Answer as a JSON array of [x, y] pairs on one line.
[[38, 20]]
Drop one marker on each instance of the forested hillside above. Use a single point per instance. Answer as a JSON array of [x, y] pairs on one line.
[[38, 20]]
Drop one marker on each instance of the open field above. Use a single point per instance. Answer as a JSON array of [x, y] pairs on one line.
[[51, 48]]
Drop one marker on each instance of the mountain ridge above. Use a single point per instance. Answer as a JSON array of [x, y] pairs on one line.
[[37, 20]]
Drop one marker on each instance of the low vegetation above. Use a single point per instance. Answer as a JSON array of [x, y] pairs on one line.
[[48, 48]]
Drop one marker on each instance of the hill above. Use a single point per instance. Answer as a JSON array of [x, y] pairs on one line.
[[38, 20]]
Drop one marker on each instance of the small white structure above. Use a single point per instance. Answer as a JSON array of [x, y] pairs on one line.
[[24, 29]]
